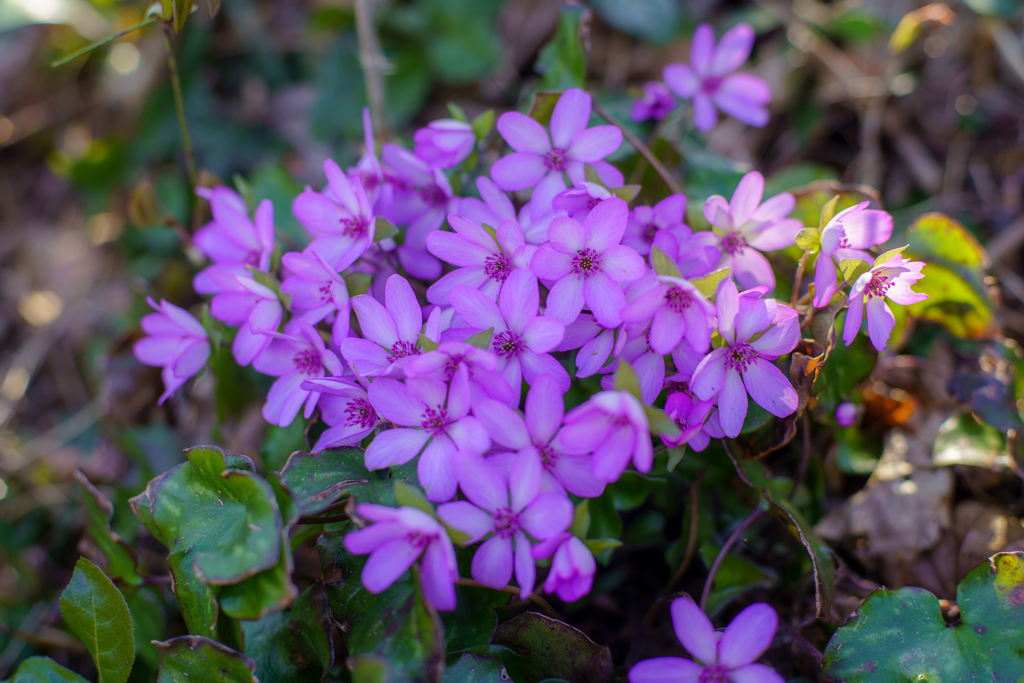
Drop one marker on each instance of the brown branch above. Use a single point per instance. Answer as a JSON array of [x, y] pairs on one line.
[[539, 601], [806, 457], [798, 279], [374, 65], [45, 637], [644, 150], [754, 516]]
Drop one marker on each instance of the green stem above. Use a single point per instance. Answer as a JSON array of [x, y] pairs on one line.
[[100, 43], [179, 105]]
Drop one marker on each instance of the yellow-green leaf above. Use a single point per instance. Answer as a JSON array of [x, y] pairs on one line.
[[97, 612], [663, 265], [383, 229], [481, 339], [708, 284], [809, 240], [828, 212], [853, 268]]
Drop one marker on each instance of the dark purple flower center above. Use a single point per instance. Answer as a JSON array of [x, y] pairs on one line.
[[506, 522], [361, 413], [325, 292], [497, 267], [879, 285], [548, 457], [711, 84], [556, 160], [733, 243], [434, 420], [680, 422], [586, 262], [678, 299], [507, 344], [307, 362], [370, 181], [592, 202], [740, 356], [715, 673], [417, 539], [401, 349], [649, 231], [354, 227], [434, 195]]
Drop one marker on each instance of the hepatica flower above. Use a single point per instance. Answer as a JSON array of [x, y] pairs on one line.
[[423, 195], [676, 310], [470, 371], [251, 307], [578, 200], [655, 103], [572, 568], [846, 236], [891, 280], [430, 425], [726, 657], [613, 426], [396, 539], [176, 342], [492, 208], [645, 222], [294, 357], [445, 143], [232, 240], [709, 79], [846, 414], [391, 332], [539, 159], [346, 408], [510, 512], [340, 218], [747, 226], [689, 414], [744, 367], [586, 262], [484, 262], [317, 291]]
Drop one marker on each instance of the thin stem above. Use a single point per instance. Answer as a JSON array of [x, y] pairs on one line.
[[806, 457], [47, 638], [754, 516], [373, 63], [673, 185], [179, 105], [807, 645], [100, 43], [798, 279], [539, 601]]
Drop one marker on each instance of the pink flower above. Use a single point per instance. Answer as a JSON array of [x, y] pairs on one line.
[[695, 255], [371, 174], [391, 332], [613, 426], [468, 370], [655, 103], [747, 226], [846, 414], [522, 339], [251, 307], [540, 159], [433, 424], [397, 538], [572, 569], [445, 143], [534, 436], [710, 82], [340, 218], [689, 414], [721, 657], [846, 236], [645, 222], [676, 310], [510, 512], [586, 261], [177, 343], [231, 240], [743, 366], [484, 262], [423, 195], [317, 292], [645, 361], [492, 208], [578, 200], [346, 408], [890, 280], [293, 357]]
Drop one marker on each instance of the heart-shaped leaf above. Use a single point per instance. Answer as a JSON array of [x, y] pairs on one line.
[[553, 649], [193, 658], [121, 558], [97, 612], [293, 646], [43, 670], [317, 480]]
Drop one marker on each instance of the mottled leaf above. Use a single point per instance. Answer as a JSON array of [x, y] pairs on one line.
[[189, 659], [318, 479], [294, 646], [553, 649], [474, 668]]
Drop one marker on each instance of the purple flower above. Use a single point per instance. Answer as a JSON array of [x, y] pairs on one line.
[[846, 414], [645, 222], [484, 262], [469, 370], [397, 538], [511, 511], [695, 255], [722, 657], [340, 218], [251, 307], [689, 414], [743, 366], [445, 143], [231, 240], [889, 280], [423, 195], [747, 226], [648, 365], [595, 342], [522, 338], [586, 261], [177, 343], [709, 81], [391, 332], [572, 569], [846, 236], [676, 310], [578, 200], [534, 438], [293, 357], [540, 159], [492, 208], [613, 426], [317, 292], [369, 171], [346, 408], [655, 103], [537, 214], [432, 424]]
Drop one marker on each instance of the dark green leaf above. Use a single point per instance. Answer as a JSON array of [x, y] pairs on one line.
[[818, 550], [632, 489], [473, 668], [190, 659], [543, 106], [197, 600], [319, 479], [626, 193], [121, 558], [97, 612], [554, 649], [279, 443], [563, 61], [43, 670], [655, 20], [357, 283], [483, 124], [181, 9], [383, 229], [626, 379], [600, 545], [828, 211], [293, 646], [268, 591], [149, 618]]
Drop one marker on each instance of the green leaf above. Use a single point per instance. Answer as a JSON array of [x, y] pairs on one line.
[[203, 494], [473, 621], [626, 193], [543, 106], [963, 440], [581, 519], [483, 124], [812, 198], [279, 443], [383, 229], [660, 423], [149, 619], [553, 649], [457, 112], [657, 21], [268, 591], [482, 339], [809, 239], [197, 600], [492, 232], [357, 282], [97, 612], [319, 479], [427, 344], [563, 61], [181, 10], [474, 668], [901, 635], [294, 646], [819, 551], [851, 268], [599, 545], [663, 264], [43, 670], [708, 284], [367, 669], [675, 456], [828, 212], [591, 176], [631, 489], [879, 260], [626, 379], [121, 558], [188, 659]]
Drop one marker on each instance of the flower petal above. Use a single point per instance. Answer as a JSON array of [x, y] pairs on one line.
[[748, 635], [481, 483], [755, 673], [526, 570], [436, 469], [545, 408], [769, 388], [604, 298], [492, 563], [709, 376], [519, 299], [523, 134], [732, 403], [394, 447], [476, 309], [746, 198], [743, 97], [437, 571], [702, 48], [565, 300], [567, 235], [881, 322], [374, 320], [662, 669], [518, 171], [622, 263], [595, 144], [606, 223], [732, 50], [569, 119], [505, 425], [393, 401], [549, 514], [467, 518], [751, 269], [387, 564], [694, 630], [681, 80]]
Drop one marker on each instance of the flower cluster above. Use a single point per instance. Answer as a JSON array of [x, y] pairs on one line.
[[422, 346]]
